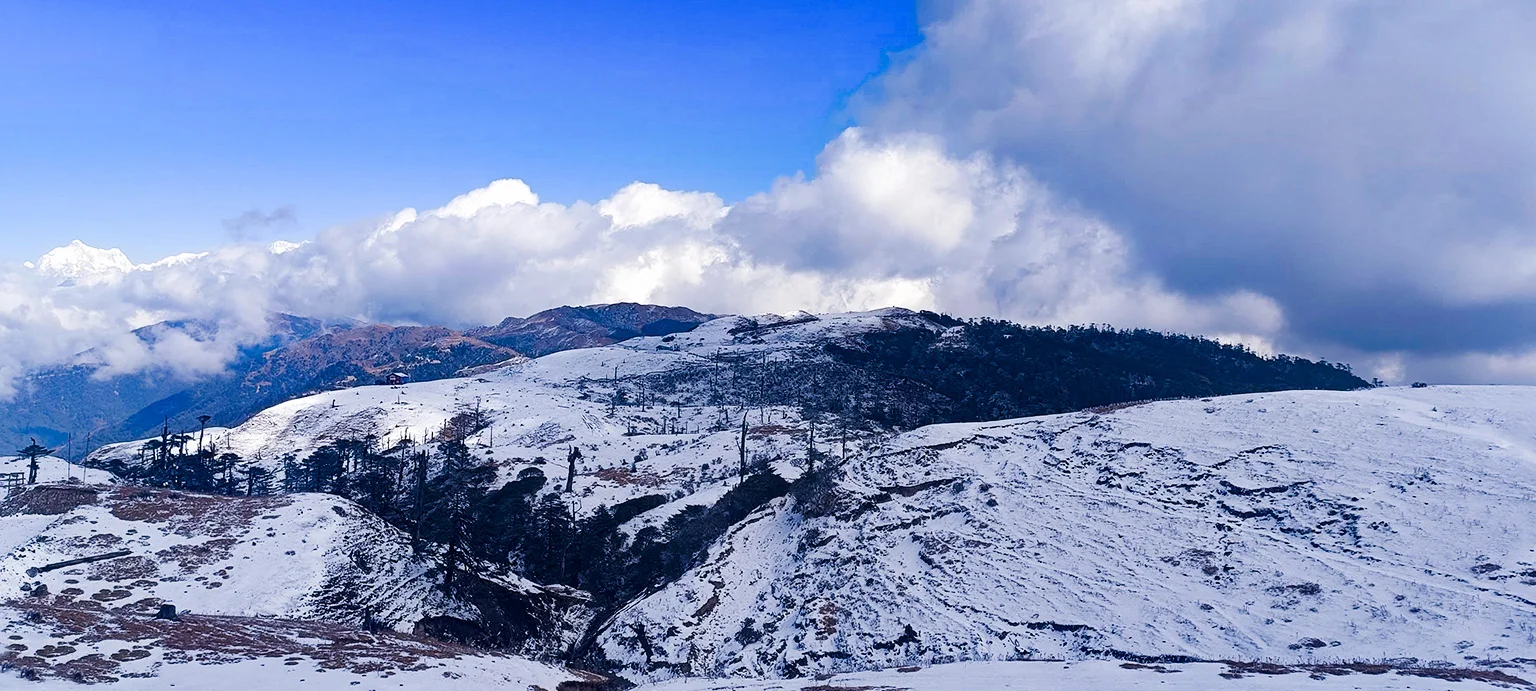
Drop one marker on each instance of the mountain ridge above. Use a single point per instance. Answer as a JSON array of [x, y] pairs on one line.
[[765, 497], [567, 328], [299, 356]]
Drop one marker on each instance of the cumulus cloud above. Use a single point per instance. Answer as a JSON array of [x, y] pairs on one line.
[[1367, 165], [885, 220], [47, 319], [1350, 179], [968, 235], [644, 203]]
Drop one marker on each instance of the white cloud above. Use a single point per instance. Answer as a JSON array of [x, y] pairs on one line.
[[497, 194], [978, 237], [1517, 366], [644, 203], [1342, 178], [1514, 366], [886, 220]]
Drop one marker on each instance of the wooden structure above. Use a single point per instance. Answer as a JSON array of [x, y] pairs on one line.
[[34, 571]]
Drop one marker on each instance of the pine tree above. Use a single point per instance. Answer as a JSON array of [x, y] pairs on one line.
[[258, 481], [176, 468], [324, 471], [198, 471], [294, 479], [161, 465], [550, 543], [421, 461], [810, 447], [459, 488], [32, 453], [505, 525], [225, 465], [594, 553], [376, 485]]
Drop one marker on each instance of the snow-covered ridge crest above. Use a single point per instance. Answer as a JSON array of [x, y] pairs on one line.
[[1294, 526], [555, 397]]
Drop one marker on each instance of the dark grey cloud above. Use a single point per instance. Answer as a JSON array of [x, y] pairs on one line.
[[249, 225], [1371, 166]]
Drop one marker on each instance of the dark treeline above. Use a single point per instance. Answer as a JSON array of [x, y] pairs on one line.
[[452, 506], [178, 460], [981, 369], [990, 370], [459, 516]]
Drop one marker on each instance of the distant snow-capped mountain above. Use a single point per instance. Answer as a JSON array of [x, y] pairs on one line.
[[299, 356], [78, 260]]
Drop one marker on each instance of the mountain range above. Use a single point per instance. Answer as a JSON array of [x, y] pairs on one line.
[[299, 356], [800, 501]]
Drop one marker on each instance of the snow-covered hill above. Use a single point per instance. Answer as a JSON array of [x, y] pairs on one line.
[[538, 408], [1298, 525], [302, 556], [1389, 523]]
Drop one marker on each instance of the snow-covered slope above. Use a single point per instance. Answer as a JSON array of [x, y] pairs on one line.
[[1295, 525], [301, 556], [538, 408], [1129, 676], [54, 469]]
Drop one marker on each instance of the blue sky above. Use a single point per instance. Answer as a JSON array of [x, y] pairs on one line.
[[145, 125], [1348, 180]]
